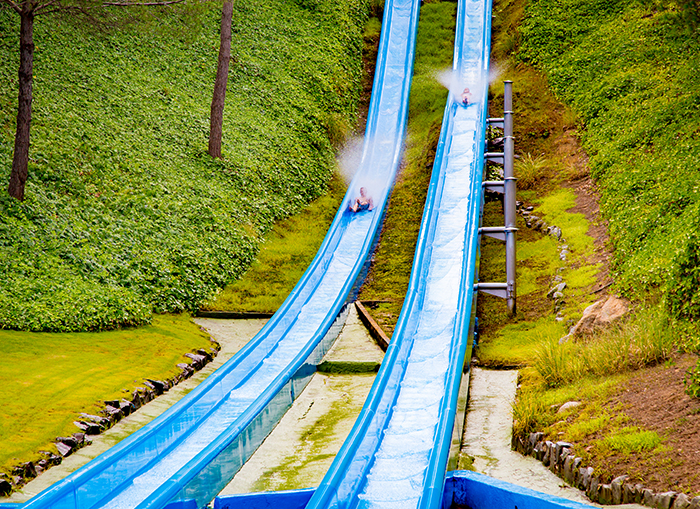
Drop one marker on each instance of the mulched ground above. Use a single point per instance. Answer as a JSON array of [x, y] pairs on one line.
[[654, 399]]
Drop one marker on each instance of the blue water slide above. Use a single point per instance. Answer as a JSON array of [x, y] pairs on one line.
[[397, 452], [189, 453]]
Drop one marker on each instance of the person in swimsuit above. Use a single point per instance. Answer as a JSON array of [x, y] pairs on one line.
[[363, 202], [466, 97]]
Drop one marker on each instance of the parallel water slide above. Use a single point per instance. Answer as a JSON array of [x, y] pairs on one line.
[[187, 455], [396, 455]]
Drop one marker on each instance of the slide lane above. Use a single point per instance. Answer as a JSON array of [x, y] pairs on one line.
[[185, 456], [396, 455]]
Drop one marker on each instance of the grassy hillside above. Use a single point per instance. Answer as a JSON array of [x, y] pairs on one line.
[[125, 213], [630, 70]]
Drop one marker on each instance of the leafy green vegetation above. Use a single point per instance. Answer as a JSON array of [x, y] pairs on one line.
[[391, 268], [47, 379], [284, 255], [632, 439], [125, 213], [692, 381], [630, 70]]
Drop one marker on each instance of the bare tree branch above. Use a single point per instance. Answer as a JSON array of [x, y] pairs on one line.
[[142, 4], [13, 5], [40, 8], [64, 8]]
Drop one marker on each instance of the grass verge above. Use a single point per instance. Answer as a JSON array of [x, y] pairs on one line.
[[47, 379]]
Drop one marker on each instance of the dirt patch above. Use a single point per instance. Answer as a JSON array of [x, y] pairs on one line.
[[655, 400]]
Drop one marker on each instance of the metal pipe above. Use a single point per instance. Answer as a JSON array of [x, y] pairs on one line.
[[510, 190]]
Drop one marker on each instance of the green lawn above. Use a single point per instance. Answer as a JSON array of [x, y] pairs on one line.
[[47, 379]]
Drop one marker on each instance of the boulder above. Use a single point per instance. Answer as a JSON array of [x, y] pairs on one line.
[[555, 231], [681, 502], [126, 407], [198, 361], [605, 496], [69, 441], [599, 315], [665, 500], [630, 494], [557, 288], [648, 497], [695, 503], [25, 470], [568, 406], [91, 428], [114, 414], [616, 486]]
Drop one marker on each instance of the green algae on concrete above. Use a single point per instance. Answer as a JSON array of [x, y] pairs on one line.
[[301, 448]]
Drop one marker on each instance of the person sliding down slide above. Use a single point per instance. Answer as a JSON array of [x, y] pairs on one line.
[[466, 97], [363, 202]]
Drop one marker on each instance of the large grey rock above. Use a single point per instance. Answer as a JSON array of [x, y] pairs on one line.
[[548, 453], [694, 503], [91, 428], [605, 494], [616, 486], [555, 231], [5, 487], [599, 315], [592, 491], [127, 407], [64, 449], [648, 497], [665, 500], [568, 406], [681, 501], [586, 477], [629, 494]]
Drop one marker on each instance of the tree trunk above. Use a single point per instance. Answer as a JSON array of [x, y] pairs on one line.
[[20, 161], [219, 96]]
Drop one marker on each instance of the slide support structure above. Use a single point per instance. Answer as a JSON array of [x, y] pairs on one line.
[[507, 186]]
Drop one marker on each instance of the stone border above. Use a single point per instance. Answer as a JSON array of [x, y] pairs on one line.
[[113, 412], [557, 286], [559, 457]]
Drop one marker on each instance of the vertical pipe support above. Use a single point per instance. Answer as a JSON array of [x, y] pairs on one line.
[[509, 194]]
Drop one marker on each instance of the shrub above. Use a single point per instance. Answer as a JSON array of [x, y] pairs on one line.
[[125, 213], [531, 171]]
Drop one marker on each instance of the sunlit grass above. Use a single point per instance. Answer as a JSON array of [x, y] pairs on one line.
[[47, 379]]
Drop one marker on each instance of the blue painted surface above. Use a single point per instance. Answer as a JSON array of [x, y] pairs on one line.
[[293, 499], [396, 454], [191, 451], [465, 488], [479, 491]]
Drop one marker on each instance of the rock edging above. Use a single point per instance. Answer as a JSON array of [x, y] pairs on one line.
[[113, 412], [559, 457]]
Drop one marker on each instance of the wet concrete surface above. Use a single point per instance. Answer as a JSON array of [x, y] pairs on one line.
[[302, 446]]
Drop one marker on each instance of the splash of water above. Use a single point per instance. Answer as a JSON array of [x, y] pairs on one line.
[[456, 84]]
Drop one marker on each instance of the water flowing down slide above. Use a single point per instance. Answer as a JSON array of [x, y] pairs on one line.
[[396, 455], [188, 454]]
